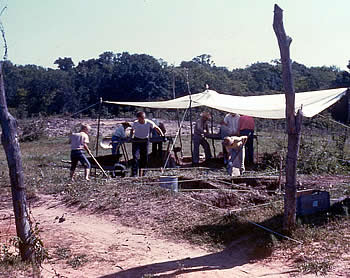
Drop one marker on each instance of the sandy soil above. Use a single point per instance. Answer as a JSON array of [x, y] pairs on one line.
[[104, 248]]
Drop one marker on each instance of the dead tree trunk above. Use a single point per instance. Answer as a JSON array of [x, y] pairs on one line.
[[10, 143], [293, 121]]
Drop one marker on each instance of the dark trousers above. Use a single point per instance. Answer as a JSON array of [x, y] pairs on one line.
[[76, 156], [249, 146], [225, 154], [157, 150], [200, 141], [116, 143], [139, 154]]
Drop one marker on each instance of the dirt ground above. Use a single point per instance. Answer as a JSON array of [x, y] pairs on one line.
[[99, 246], [82, 244]]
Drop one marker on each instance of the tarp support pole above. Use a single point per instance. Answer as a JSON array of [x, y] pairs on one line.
[[177, 114], [189, 93], [98, 125], [179, 127], [212, 131]]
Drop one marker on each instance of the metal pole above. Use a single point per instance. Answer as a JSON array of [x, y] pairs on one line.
[[212, 132], [257, 148], [177, 114], [98, 125], [190, 96], [125, 153]]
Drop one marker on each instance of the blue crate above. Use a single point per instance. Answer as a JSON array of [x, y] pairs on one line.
[[316, 201]]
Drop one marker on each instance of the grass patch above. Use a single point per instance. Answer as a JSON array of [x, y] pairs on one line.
[[71, 259], [315, 267], [77, 261]]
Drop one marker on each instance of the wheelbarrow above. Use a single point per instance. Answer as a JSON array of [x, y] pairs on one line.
[[109, 163]]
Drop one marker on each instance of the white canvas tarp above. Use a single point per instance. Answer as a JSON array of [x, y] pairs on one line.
[[264, 106]]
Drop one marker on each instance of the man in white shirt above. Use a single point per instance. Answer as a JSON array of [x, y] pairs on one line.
[[141, 130], [232, 121]]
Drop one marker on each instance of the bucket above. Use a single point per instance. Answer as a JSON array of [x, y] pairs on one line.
[[169, 182]]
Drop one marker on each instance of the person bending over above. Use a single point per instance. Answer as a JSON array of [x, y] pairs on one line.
[[119, 137], [235, 148]]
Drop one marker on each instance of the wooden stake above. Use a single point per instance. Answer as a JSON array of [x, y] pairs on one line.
[[9, 140], [293, 121]]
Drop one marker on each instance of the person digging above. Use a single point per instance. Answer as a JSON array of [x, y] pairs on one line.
[[79, 142]]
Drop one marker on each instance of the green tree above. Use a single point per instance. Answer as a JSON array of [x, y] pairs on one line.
[[65, 63], [139, 77]]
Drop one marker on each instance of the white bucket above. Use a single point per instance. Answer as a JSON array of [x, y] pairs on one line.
[[169, 182]]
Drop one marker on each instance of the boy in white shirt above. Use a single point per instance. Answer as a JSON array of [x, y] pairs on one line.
[[79, 143]]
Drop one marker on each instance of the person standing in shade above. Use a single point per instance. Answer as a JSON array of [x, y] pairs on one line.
[[224, 132], [201, 129], [141, 130], [246, 128], [232, 121], [157, 144], [79, 143], [119, 137]]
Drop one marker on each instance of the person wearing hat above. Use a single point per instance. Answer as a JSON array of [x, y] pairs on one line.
[[201, 129], [235, 148], [119, 137]]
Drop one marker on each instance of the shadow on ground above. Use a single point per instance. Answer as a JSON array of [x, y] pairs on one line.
[[235, 255], [241, 249]]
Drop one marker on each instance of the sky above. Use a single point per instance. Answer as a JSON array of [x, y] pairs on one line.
[[236, 33]]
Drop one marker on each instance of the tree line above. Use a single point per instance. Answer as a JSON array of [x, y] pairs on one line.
[[32, 90]]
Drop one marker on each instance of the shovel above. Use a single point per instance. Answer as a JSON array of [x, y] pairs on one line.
[[98, 164]]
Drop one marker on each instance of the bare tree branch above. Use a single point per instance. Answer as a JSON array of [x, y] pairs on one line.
[[9, 139], [2, 30]]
